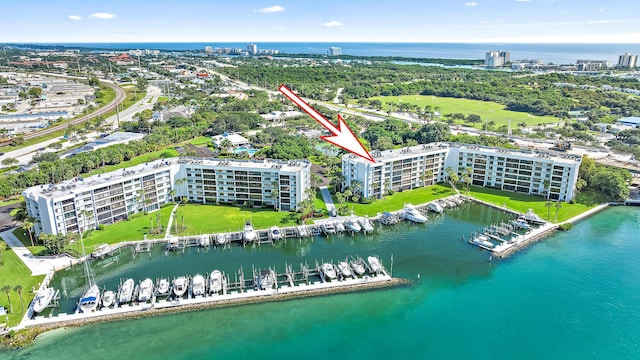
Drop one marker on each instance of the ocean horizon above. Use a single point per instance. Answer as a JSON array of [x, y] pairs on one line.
[[550, 53]]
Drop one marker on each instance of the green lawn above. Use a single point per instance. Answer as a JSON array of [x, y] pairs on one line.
[[397, 200], [144, 158], [206, 219], [127, 230], [24, 239], [10, 201], [14, 272], [488, 111], [585, 200], [202, 140]]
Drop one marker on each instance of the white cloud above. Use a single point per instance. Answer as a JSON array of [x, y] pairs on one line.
[[102, 15], [600, 10], [471, 4], [523, 0], [279, 27], [332, 23], [271, 9], [74, 17]]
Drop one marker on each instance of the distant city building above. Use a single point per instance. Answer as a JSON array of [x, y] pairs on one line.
[[208, 49], [334, 51], [80, 204], [252, 49], [496, 58], [627, 60], [544, 173], [591, 65], [145, 52]]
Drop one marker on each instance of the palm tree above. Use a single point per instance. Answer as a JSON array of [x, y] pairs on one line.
[[6, 290], [172, 194], [546, 184], [557, 206], [18, 289], [275, 194], [27, 225], [226, 145], [548, 204]]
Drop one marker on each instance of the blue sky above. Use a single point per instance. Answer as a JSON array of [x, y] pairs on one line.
[[613, 21]]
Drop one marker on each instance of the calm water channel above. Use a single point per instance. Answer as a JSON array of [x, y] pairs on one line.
[[574, 295]]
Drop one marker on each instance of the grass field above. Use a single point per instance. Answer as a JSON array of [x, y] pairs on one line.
[[206, 219], [24, 239], [14, 272], [585, 200], [488, 111], [397, 200], [128, 230]]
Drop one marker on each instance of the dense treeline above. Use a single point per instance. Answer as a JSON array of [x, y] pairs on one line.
[[610, 181], [536, 94], [448, 62]]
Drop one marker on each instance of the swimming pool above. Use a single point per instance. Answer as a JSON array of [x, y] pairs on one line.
[[244, 149]]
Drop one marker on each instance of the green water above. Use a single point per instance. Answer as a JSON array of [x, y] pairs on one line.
[[575, 295]]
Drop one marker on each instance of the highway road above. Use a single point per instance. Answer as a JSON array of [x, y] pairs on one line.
[[120, 96]]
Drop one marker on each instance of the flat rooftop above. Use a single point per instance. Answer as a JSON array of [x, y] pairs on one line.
[[75, 185], [390, 155]]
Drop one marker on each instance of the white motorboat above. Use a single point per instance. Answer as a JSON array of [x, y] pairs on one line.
[[215, 282], [345, 269], [43, 299], [180, 286], [146, 290], [328, 270], [365, 224], [302, 231], [435, 207], [163, 287], [125, 294], [203, 241], [90, 299], [221, 239], [248, 234], [374, 264], [532, 218], [520, 223], [352, 225], [197, 285], [267, 279], [173, 244], [412, 214], [275, 233], [358, 266], [328, 228], [108, 298], [340, 227]]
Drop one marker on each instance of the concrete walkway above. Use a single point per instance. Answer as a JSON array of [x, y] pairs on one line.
[[40, 265], [173, 212], [328, 200]]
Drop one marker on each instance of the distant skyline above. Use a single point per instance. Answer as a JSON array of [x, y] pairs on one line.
[[491, 21]]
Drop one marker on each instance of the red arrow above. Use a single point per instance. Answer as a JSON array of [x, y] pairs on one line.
[[342, 135]]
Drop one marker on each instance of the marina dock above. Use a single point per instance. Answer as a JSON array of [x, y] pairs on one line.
[[243, 290]]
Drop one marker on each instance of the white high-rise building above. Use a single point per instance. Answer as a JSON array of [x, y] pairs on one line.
[[81, 204], [496, 58], [547, 174], [627, 60], [334, 51], [252, 49], [208, 49]]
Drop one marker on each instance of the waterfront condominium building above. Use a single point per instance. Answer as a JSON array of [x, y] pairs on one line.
[[544, 173], [81, 204]]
